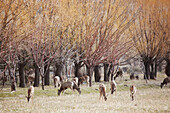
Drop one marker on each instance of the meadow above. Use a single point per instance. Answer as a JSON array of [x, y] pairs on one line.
[[150, 98]]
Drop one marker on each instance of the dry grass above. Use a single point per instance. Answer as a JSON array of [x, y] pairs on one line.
[[149, 98]]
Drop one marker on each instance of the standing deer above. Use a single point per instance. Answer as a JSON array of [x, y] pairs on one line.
[[30, 93], [132, 91], [102, 91], [82, 79], [119, 74], [30, 76], [30, 79], [57, 81], [113, 87]]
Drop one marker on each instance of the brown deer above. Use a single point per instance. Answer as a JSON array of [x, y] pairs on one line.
[[113, 87], [30, 79], [82, 79], [30, 93], [102, 91], [133, 91], [68, 84], [119, 74], [75, 79], [30, 76], [165, 82]]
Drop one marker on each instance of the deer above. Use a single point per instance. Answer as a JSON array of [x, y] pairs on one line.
[[113, 86], [31, 79], [68, 84], [165, 82], [75, 79], [119, 74], [82, 79], [102, 91], [30, 76], [132, 91], [30, 93], [57, 81]]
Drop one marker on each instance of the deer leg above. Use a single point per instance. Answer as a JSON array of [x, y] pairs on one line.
[[63, 91], [132, 97], [100, 96]]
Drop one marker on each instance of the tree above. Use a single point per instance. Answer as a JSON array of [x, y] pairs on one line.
[[11, 33], [152, 30], [104, 40]]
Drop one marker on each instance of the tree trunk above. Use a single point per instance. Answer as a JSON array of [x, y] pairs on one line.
[[156, 69], [160, 66], [167, 68], [106, 66], [77, 69], [147, 70], [4, 78], [13, 85], [109, 72], [47, 74], [152, 71], [42, 82], [66, 70], [26, 80], [113, 72], [13, 81], [90, 74], [37, 76], [21, 76], [58, 69], [97, 73]]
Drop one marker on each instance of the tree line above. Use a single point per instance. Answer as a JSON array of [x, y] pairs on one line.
[[39, 34]]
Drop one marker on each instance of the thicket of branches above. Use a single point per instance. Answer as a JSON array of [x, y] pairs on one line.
[[39, 34]]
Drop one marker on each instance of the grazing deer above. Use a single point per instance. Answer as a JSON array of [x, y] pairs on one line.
[[75, 79], [113, 87], [102, 91], [68, 84], [30, 93], [57, 81], [82, 79], [30, 79], [132, 91], [119, 74], [30, 76], [165, 81]]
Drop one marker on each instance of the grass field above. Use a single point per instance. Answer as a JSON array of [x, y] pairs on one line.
[[150, 98]]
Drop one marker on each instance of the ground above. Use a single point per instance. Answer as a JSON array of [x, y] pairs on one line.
[[149, 98]]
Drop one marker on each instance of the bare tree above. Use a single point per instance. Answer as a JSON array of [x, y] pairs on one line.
[[151, 28]]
